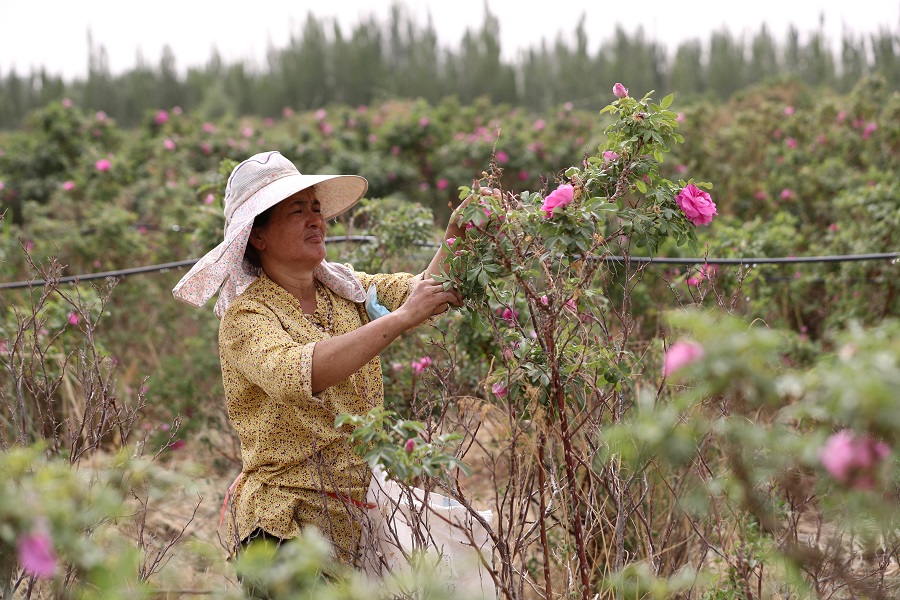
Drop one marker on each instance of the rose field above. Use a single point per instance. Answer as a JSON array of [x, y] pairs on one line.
[[676, 373]]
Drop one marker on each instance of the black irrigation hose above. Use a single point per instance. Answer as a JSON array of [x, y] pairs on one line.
[[894, 257]]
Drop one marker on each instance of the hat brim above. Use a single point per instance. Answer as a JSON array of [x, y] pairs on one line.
[[336, 195]]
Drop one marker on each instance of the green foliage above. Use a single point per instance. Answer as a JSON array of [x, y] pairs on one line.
[[404, 448]]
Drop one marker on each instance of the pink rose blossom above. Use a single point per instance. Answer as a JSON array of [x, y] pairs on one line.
[[287, 112], [833, 227], [397, 367], [321, 114], [100, 116], [423, 122], [777, 134], [372, 138], [570, 304], [679, 118], [510, 316], [609, 156], [169, 144], [66, 103], [68, 185], [206, 148], [499, 389], [869, 130], [36, 554], [73, 318], [681, 168], [853, 460], [162, 117], [620, 91], [442, 184], [1, 185], [693, 281], [395, 150], [420, 365], [502, 157], [558, 198], [791, 143], [326, 129], [680, 354], [545, 300], [841, 116], [539, 125], [787, 194], [760, 195], [409, 446], [102, 165], [362, 109], [696, 204], [523, 175], [210, 198], [451, 241], [209, 127], [247, 132], [788, 110]]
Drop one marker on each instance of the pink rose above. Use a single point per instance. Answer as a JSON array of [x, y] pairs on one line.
[[36, 554], [210, 198], [502, 157], [620, 91], [209, 127], [169, 144], [499, 389], [68, 186], [102, 165], [696, 204], [870, 128], [409, 446], [558, 198], [680, 354], [545, 300], [73, 318], [788, 110], [791, 143], [420, 365], [162, 117], [510, 316], [609, 156], [450, 241], [853, 460], [539, 125], [66, 102], [321, 114], [787, 194], [442, 184]]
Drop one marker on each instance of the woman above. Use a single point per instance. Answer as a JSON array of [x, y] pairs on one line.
[[298, 347]]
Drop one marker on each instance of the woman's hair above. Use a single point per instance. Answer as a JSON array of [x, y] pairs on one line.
[[262, 220]]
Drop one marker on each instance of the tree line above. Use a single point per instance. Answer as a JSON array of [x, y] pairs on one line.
[[398, 57]]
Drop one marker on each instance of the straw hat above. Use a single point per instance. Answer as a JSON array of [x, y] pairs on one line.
[[254, 186]]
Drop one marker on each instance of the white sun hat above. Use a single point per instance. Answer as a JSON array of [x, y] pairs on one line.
[[254, 186]]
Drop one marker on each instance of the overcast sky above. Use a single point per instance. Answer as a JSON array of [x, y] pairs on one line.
[[53, 33]]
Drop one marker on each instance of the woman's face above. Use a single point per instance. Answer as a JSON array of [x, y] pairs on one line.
[[295, 235]]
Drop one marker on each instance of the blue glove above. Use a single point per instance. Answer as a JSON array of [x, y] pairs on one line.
[[374, 309]]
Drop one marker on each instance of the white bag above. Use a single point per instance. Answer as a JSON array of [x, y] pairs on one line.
[[452, 540]]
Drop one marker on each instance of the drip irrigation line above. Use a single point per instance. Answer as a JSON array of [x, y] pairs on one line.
[[894, 257]]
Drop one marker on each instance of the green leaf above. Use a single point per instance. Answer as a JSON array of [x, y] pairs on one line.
[[641, 186], [667, 101]]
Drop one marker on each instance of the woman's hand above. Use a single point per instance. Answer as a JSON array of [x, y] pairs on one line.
[[454, 227], [428, 298]]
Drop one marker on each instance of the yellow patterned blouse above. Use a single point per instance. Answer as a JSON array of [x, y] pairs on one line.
[[298, 470]]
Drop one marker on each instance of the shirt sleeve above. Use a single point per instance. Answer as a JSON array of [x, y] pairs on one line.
[[256, 345]]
